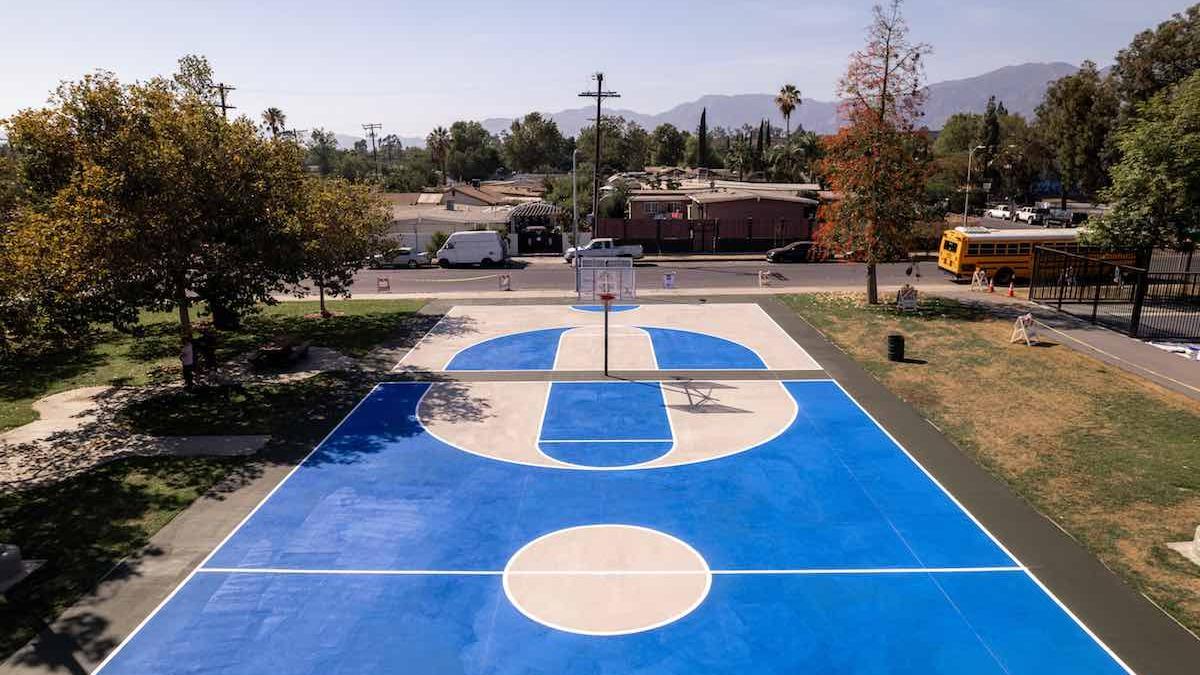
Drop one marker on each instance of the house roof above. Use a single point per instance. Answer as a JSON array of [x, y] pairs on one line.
[[475, 193], [659, 196], [719, 196]]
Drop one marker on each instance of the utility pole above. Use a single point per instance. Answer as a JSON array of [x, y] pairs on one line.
[[599, 95], [223, 90], [371, 128]]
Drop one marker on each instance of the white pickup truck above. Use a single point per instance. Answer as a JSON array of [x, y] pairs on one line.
[[1003, 212], [604, 248]]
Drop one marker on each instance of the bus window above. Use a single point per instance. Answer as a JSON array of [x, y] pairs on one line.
[[987, 249], [949, 246], [972, 249], [1023, 248]]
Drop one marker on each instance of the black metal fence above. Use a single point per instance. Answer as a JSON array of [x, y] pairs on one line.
[[1139, 301]]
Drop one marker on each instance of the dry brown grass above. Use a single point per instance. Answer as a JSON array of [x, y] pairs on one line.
[[1112, 458]]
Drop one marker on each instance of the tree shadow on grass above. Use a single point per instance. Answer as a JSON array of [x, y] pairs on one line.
[[95, 526]]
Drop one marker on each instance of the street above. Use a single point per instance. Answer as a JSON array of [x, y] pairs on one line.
[[551, 273]]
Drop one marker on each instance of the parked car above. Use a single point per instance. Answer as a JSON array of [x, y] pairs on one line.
[[1065, 218], [604, 248], [1034, 215], [481, 247], [400, 257], [1003, 212], [797, 251]]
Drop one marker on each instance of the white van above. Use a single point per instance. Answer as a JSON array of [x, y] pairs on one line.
[[483, 248]]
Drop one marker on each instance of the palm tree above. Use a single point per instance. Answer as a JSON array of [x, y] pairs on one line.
[[438, 142], [274, 119], [793, 161], [788, 100]]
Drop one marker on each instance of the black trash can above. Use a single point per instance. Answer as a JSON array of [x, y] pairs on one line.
[[895, 347]]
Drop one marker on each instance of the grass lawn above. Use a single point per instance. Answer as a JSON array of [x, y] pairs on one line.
[[1110, 457], [85, 525], [121, 359]]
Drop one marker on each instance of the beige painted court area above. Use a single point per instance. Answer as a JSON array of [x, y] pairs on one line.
[[581, 348]]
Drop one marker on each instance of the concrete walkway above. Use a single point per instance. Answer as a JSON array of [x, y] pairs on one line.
[[76, 432]]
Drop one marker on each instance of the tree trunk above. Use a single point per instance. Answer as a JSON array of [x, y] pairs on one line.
[[185, 319], [872, 284], [223, 317], [321, 293]]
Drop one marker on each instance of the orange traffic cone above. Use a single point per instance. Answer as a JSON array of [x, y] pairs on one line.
[[1010, 290], [991, 286]]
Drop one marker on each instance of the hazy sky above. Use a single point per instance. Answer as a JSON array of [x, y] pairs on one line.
[[412, 65]]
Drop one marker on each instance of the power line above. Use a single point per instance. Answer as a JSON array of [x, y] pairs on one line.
[[224, 89], [371, 128], [599, 95]]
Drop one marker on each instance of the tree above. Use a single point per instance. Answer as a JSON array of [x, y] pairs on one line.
[[669, 145], [741, 156], [473, 152], [878, 162], [1157, 59], [152, 187], [1074, 121], [391, 148], [793, 160], [533, 144], [1155, 194], [438, 143], [788, 99], [960, 133], [274, 120], [702, 150], [342, 226], [635, 147], [322, 150]]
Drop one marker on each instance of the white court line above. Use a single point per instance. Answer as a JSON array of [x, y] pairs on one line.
[[605, 573], [421, 340], [986, 531], [611, 440], [195, 570]]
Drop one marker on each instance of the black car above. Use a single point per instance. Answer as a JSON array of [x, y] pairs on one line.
[[797, 251]]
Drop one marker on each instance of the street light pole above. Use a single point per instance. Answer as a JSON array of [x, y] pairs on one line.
[[574, 199], [967, 198]]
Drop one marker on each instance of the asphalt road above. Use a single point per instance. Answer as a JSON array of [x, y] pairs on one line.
[[551, 273]]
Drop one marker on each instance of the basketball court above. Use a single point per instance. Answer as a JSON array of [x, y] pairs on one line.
[[700, 521]]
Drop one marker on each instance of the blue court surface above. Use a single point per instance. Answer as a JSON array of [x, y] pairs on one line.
[[674, 349], [828, 548]]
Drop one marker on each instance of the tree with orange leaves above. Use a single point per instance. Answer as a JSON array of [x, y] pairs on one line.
[[878, 161]]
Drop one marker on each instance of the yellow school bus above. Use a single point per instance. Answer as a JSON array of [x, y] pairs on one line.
[[1004, 254]]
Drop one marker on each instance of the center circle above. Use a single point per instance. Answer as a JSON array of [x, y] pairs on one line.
[[606, 579]]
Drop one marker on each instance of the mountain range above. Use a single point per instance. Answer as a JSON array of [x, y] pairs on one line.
[[1020, 87]]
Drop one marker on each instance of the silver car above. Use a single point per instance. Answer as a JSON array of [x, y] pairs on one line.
[[401, 257]]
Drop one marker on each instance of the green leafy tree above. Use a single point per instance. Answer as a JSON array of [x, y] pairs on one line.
[[1158, 59], [787, 100], [635, 147], [879, 162], [1155, 192], [794, 160], [436, 241], [154, 189], [960, 133], [342, 226], [613, 149], [534, 144], [669, 145], [323, 151], [702, 150], [1074, 121], [474, 153]]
